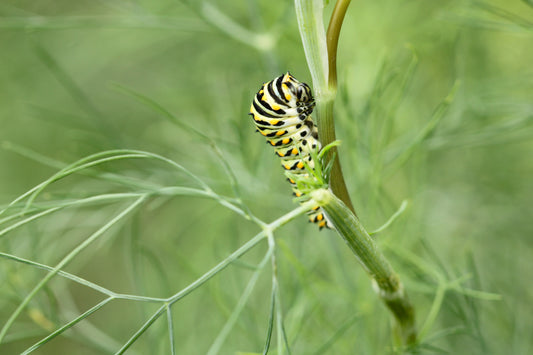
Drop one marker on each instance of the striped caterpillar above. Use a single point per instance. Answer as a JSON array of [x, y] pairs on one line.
[[281, 111]]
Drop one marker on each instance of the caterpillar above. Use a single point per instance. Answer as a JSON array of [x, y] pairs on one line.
[[281, 111]]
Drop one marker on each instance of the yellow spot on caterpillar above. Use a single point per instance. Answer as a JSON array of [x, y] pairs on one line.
[[263, 133], [294, 151], [281, 154], [274, 122], [261, 92], [287, 167], [280, 133], [315, 208], [300, 165], [293, 182], [322, 224], [285, 141], [298, 194], [288, 97], [275, 107], [272, 143], [320, 217]]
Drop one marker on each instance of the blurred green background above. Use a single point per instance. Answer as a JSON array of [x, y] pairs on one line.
[[461, 157]]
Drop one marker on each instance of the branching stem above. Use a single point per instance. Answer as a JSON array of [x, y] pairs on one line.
[[321, 53]]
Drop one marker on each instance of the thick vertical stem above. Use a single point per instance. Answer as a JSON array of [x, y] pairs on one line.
[[326, 124], [386, 281], [321, 56], [326, 133]]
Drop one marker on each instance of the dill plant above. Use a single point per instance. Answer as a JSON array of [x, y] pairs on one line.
[[183, 251]]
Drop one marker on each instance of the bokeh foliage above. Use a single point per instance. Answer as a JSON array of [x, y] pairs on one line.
[[434, 107]]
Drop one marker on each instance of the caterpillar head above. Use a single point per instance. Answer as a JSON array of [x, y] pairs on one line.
[[300, 91]]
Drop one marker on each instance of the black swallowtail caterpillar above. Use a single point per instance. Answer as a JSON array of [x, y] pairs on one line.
[[281, 111]]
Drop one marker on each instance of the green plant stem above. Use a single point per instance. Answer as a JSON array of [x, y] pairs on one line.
[[326, 123], [386, 281], [321, 55], [326, 133], [332, 39]]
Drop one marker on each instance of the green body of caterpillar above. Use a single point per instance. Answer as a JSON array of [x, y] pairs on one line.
[[281, 111]]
